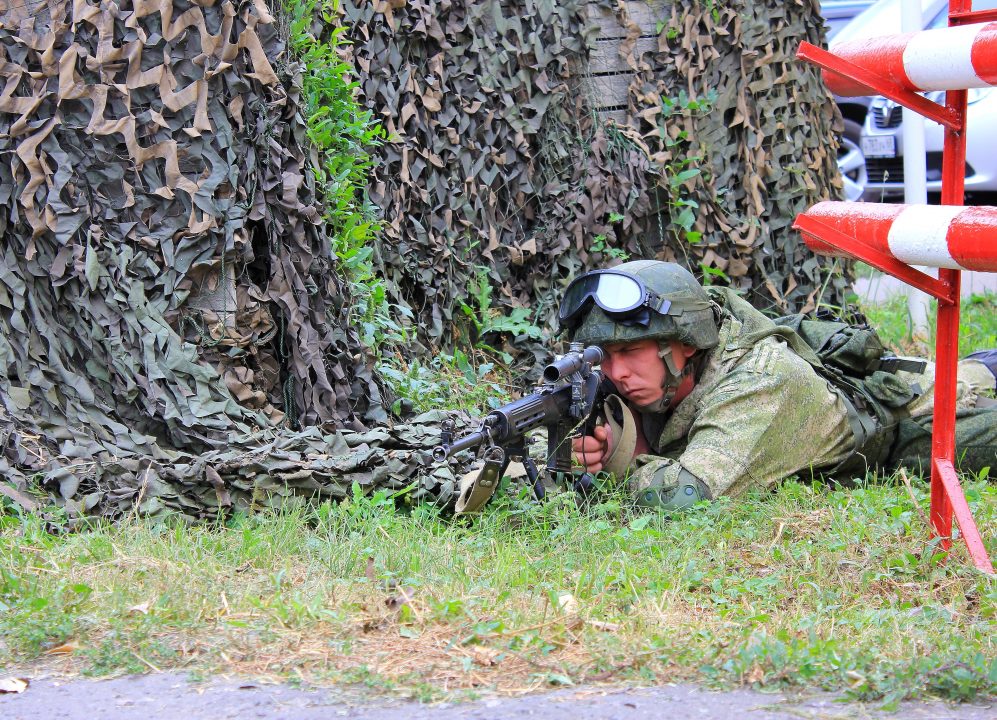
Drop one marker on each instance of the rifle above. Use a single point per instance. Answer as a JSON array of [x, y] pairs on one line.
[[571, 394]]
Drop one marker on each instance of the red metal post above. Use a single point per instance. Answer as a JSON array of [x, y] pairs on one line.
[[946, 493], [970, 18], [970, 534], [947, 336]]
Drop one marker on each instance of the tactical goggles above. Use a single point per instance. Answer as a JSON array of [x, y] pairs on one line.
[[622, 296]]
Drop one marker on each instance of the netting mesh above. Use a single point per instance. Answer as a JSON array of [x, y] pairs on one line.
[[174, 335], [542, 139]]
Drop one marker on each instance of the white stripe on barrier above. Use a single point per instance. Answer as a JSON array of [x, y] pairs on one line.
[[919, 235], [942, 59], [944, 236]]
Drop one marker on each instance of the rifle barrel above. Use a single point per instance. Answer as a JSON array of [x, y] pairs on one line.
[[442, 452]]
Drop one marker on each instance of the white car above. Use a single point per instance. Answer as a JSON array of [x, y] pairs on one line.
[[882, 146], [838, 13], [872, 163]]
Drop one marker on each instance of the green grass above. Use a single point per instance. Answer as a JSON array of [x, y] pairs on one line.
[[977, 325], [809, 586]]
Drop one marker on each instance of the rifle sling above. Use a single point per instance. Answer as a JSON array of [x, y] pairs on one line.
[[476, 491], [624, 438]]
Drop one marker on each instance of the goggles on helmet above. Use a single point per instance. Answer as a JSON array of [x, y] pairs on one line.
[[621, 296]]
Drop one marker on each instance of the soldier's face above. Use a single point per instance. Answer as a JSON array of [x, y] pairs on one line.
[[636, 370]]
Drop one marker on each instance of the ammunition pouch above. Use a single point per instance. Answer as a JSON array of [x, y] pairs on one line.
[[875, 407], [855, 362]]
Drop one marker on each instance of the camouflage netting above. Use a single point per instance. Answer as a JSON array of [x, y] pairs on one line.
[[512, 154], [174, 334], [173, 328]]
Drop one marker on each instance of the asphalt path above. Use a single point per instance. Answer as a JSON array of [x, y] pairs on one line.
[[147, 697]]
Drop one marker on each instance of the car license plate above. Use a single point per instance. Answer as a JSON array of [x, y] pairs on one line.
[[881, 146]]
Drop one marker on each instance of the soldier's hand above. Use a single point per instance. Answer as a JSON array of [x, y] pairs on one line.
[[592, 451]]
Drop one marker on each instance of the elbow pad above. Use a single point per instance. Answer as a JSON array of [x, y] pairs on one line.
[[676, 497]]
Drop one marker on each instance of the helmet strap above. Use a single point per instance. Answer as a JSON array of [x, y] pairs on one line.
[[671, 382]]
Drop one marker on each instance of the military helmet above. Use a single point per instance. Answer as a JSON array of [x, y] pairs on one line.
[[681, 310]]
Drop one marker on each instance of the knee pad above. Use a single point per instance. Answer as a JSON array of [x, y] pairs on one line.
[[988, 358]]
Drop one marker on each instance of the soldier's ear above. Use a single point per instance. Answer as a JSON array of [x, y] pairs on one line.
[[680, 348]]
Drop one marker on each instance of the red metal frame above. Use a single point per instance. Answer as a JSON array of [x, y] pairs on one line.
[[968, 18], [947, 497], [881, 261], [880, 85]]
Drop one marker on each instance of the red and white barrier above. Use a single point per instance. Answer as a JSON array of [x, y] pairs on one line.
[[952, 58], [942, 236], [949, 237]]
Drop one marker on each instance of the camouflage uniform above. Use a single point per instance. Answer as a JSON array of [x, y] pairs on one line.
[[760, 413]]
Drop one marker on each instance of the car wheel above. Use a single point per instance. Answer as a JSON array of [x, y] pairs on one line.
[[851, 162]]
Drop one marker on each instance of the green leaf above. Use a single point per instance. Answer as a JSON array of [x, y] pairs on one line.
[[686, 218], [355, 257], [517, 322], [713, 271], [559, 679]]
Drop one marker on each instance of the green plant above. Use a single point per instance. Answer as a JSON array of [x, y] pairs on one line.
[[342, 135], [809, 586], [488, 320], [448, 381], [35, 617], [891, 318], [599, 244], [709, 273], [681, 171]]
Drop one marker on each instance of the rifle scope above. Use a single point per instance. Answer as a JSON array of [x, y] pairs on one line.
[[572, 362]]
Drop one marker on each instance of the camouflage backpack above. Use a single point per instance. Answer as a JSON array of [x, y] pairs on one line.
[[857, 363]]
